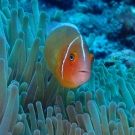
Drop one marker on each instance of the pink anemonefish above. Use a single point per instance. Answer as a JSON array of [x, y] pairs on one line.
[[67, 55]]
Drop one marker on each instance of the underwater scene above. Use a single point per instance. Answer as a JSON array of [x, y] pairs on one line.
[[67, 67]]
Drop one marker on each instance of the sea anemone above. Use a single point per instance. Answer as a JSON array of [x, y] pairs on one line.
[[33, 102]]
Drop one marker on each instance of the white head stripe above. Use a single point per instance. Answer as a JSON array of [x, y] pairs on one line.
[[63, 62], [65, 24], [82, 45]]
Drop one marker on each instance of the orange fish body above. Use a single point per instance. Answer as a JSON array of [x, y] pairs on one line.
[[67, 56]]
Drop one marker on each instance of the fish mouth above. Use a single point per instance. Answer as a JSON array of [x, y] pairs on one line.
[[84, 71], [81, 76]]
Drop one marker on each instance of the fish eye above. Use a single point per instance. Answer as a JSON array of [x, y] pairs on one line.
[[72, 57]]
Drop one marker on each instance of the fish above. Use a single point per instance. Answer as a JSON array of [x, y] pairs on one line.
[[67, 55]]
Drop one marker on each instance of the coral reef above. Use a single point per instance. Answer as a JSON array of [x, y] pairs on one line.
[[125, 57], [31, 100], [62, 4], [113, 19]]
